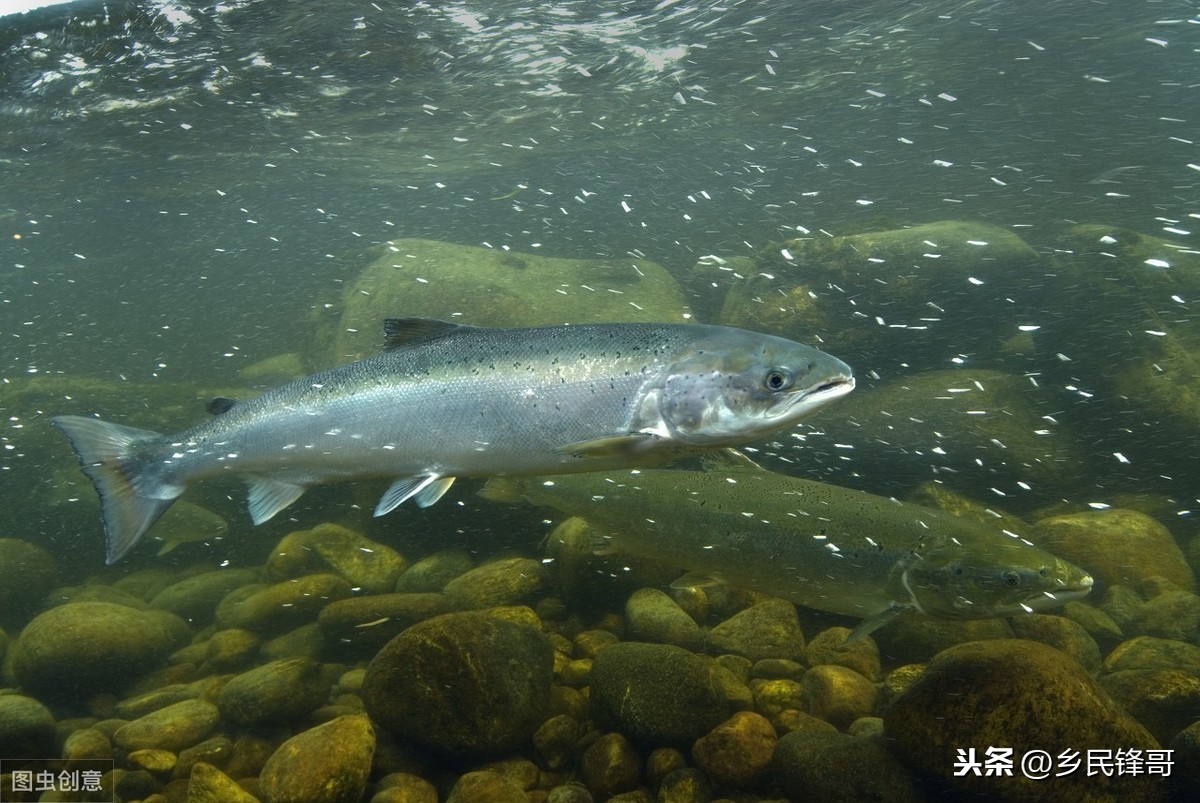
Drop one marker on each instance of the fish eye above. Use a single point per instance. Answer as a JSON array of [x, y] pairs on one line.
[[778, 379], [1010, 578]]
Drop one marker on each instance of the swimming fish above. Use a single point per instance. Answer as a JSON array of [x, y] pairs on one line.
[[826, 547], [446, 400]]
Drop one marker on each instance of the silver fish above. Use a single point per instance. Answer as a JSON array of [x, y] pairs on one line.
[[819, 545], [446, 400]]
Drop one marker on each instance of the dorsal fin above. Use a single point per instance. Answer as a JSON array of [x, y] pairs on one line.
[[219, 404], [405, 332]]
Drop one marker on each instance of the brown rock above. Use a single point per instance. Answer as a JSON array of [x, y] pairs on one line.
[[737, 751]]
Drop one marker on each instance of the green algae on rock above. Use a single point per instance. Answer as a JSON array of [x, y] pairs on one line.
[[1014, 694], [26, 571], [333, 548], [278, 692], [462, 684], [82, 647], [326, 764]]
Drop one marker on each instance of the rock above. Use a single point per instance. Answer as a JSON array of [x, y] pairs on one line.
[[866, 726], [486, 787], [282, 606], [610, 766], [555, 740], [196, 598], [26, 727], [214, 752], [1116, 547], [791, 720], [85, 743], [26, 571], [737, 751], [830, 647], [1099, 625], [363, 563], [1147, 652], [465, 684], [306, 641], [1060, 633], [172, 728], [1014, 694], [574, 792], [685, 785], [326, 764], [158, 762], [1185, 774], [589, 643], [653, 616], [837, 694], [275, 693], [376, 620], [228, 650], [900, 679], [148, 702], [770, 629], [1123, 605], [1172, 614], [430, 574], [491, 287], [662, 762], [657, 693], [83, 647], [771, 697], [834, 766], [95, 592], [403, 787], [1165, 701], [135, 785], [776, 669], [250, 754], [208, 784], [915, 638], [508, 581]]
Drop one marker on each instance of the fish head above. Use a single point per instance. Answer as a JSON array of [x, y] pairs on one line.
[[735, 385], [999, 576]]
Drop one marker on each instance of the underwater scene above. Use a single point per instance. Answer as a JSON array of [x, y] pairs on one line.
[[649, 401]]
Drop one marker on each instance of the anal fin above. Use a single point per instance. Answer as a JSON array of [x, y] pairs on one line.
[[615, 446]]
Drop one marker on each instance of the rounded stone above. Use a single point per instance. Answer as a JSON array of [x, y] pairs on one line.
[[282, 606], [329, 547], [403, 787], [737, 751], [653, 616], [26, 727], [837, 694], [770, 629], [207, 784], [662, 762], [275, 693], [377, 619], [1173, 614], [1148, 652], [1185, 775], [830, 647], [1165, 701], [1017, 694], [772, 696], [172, 728], [26, 572], [687, 785], [1115, 546], [86, 743], [83, 647], [214, 751], [508, 581], [195, 599], [430, 574], [657, 693], [486, 787], [326, 764], [610, 766], [1060, 633], [809, 765], [573, 792], [915, 639], [158, 762], [464, 684], [554, 741]]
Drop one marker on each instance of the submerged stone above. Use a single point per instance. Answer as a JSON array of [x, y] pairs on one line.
[[275, 693], [770, 629], [811, 765], [326, 764], [26, 727], [172, 728], [26, 571], [363, 563], [82, 647], [464, 684]]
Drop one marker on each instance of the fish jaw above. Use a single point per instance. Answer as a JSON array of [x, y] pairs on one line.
[[741, 387]]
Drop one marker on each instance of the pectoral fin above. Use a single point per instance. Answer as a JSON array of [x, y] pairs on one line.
[[427, 488], [615, 446], [268, 497], [876, 621]]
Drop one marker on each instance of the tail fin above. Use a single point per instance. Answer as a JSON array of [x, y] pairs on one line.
[[130, 502]]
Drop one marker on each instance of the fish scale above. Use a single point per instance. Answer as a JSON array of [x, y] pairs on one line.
[[446, 400]]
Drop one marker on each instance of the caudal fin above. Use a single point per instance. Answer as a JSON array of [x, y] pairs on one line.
[[130, 502]]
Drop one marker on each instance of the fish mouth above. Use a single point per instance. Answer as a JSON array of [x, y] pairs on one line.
[[804, 400], [1043, 600]]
